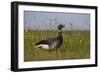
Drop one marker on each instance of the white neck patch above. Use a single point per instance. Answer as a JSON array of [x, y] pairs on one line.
[[59, 30]]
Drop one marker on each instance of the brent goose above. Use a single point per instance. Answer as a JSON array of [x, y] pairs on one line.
[[52, 43]]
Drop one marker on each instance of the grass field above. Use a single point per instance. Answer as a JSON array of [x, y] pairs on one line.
[[76, 45]]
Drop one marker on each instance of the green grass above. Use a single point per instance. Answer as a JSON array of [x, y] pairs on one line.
[[76, 45]]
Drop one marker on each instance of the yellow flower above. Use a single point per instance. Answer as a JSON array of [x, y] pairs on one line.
[[80, 40]]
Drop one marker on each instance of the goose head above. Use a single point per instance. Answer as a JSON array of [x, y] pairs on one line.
[[60, 26]]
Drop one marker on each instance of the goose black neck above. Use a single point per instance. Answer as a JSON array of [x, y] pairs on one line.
[[59, 34]]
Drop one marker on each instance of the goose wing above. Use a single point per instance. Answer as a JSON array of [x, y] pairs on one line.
[[42, 42], [48, 41]]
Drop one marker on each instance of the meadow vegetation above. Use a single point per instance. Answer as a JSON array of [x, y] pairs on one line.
[[76, 45]]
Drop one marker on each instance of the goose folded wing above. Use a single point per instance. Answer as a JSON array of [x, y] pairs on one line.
[[48, 41], [42, 42]]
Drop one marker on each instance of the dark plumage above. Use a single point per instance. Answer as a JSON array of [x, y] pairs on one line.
[[52, 43]]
